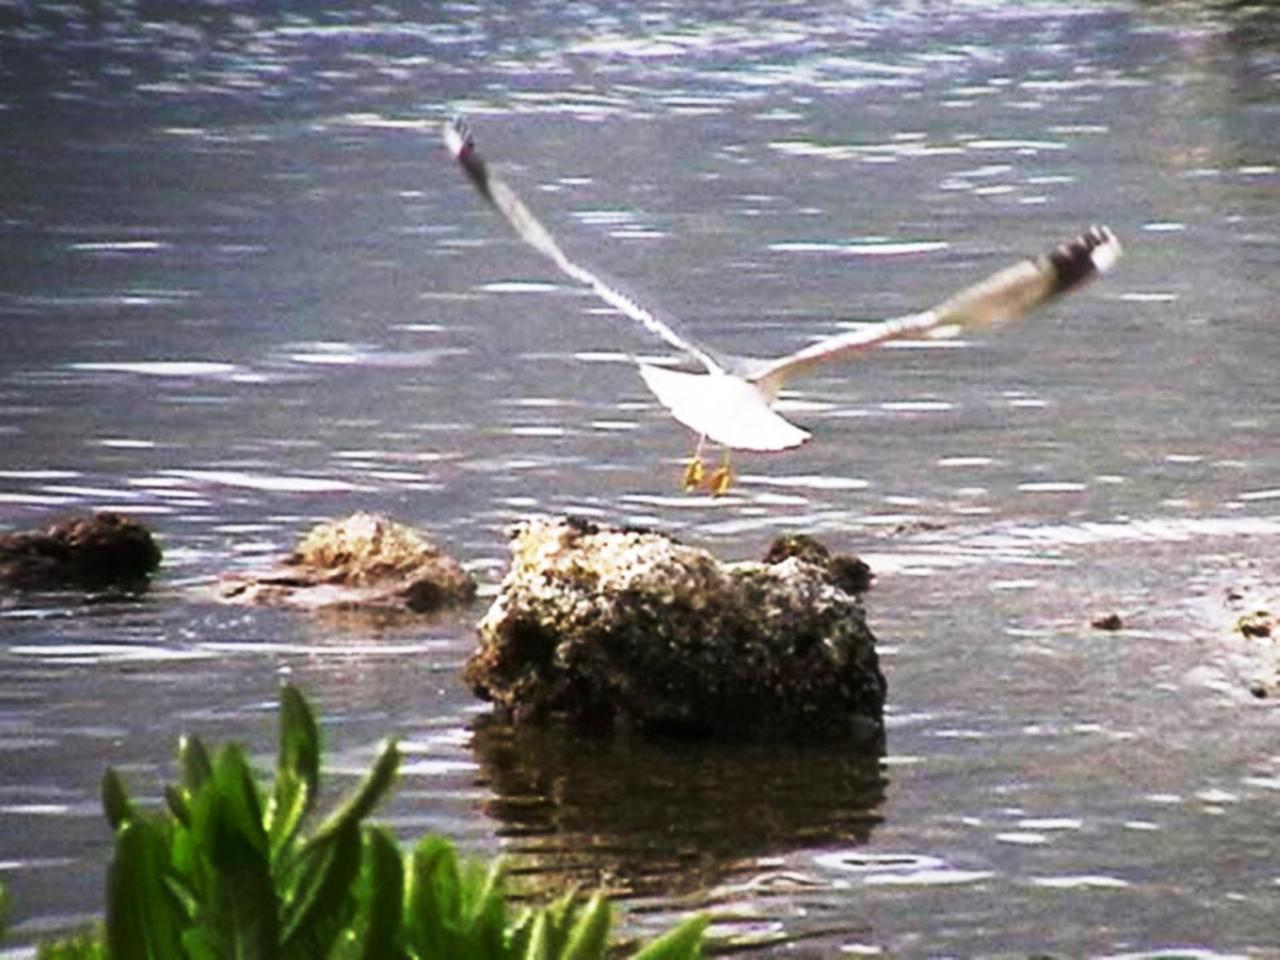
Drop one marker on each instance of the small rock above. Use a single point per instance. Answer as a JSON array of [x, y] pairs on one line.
[[364, 561], [1257, 625], [610, 626], [850, 573], [908, 527], [1107, 621], [104, 550]]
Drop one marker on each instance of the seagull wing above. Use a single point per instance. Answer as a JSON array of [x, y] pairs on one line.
[[503, 199], [1002, 297]]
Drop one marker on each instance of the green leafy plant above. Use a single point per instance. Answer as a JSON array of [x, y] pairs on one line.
[[85, 946], [226, 872], [91, 945]]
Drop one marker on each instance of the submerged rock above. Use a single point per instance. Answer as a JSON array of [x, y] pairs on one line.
[[104, 550], [1107, 621], [849, 573], [364, 561], [1258, 625], [628, 626]]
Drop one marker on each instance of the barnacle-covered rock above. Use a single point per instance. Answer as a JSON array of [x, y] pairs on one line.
[[614, 625], [101, 551], [364, 561]]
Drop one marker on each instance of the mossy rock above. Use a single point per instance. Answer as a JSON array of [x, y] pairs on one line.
[[608, 626]]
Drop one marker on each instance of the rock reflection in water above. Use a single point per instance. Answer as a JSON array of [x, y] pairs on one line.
[[644, 817]]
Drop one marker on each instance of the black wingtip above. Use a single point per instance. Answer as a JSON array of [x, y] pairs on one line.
[[458, 138], [1077, 261], [462, 145]]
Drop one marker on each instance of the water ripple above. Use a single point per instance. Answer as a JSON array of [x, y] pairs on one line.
[[159, 368], [275, 483]]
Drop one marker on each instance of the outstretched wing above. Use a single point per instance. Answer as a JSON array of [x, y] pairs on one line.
[[1000, 298], [503, 199]]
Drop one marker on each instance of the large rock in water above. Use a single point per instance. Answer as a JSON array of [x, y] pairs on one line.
[[360, 562], [106, 550], [626, 626]]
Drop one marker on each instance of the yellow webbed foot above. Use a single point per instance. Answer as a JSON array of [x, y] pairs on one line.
[[693, 474], [720, 481]]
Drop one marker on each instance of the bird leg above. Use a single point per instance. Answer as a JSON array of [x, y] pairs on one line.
[[694, 472], [721, 478]]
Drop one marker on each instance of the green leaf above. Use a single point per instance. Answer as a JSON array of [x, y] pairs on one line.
[[453, 910], [4, 912], [240, 903], [368, 795], [229, 802], [176, 800], [432, 909], [143, 921], [297, 769], [88, 945], [244, 904], [518, 933], [384, 876], [484, 908], [196, 770], [681, 943], [189, 871], [539, 946], [560, 915], [194, 763], [320, 891], [115, 800], [589, 937], [200, 944]]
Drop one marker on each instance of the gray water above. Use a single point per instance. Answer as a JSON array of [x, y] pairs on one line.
[[242, 290]]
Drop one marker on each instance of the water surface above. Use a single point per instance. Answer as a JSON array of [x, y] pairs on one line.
[[242, 290]]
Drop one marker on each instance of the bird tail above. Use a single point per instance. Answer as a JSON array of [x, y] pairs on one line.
[[723, 408]]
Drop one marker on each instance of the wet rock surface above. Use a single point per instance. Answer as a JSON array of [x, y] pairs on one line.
[[106, 550], [361, 562], [1107, 621], [621, 626], [1254, 631]]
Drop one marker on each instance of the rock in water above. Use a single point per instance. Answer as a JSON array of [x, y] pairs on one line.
[[364, 561], [611, 626], [101, 551]]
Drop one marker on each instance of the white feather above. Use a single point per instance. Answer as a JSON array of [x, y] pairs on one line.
[[723, 408]]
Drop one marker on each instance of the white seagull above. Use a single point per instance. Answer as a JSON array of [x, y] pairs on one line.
[[731, 403]]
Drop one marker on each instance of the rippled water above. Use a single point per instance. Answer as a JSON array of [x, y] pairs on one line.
[[243, 290]]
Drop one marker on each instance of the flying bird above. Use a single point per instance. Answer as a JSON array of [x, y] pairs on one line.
[[731, 401]]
